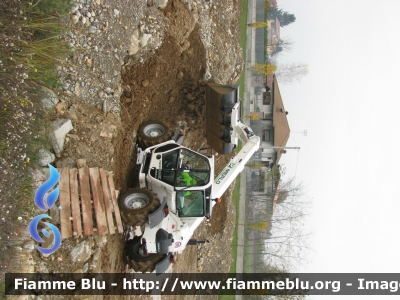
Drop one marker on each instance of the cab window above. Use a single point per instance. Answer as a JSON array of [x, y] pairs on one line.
[[184, 168], [190, 203]]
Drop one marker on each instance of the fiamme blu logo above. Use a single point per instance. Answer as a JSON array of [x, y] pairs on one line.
[[44, 203]]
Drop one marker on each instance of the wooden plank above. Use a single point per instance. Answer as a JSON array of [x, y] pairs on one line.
[[107, 203], [84, 185], [76, 211], [64, 197], [115, 203], [98, 201]]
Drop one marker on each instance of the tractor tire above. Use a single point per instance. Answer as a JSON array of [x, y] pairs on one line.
[[135, 206], [151, 133], [137, 261]]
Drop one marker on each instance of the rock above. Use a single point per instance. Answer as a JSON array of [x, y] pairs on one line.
[[116, 12], [96, 254], [85, 268], [200, 262], [60, 108], [109, 90], [78, 271], [134, 45], [48, 98], [29, 246], [185, 45], [145, 38], [161, 3], [74, 8], [42, 268], [78, 90], [92, 29], [101, 241], [74, 136], [105, 106], [60, 129], [65, 162], [179, 75], [45, 157], [74, 19], [81, 252], [55, 215], [89, 62], [145, 83], [72, 114]]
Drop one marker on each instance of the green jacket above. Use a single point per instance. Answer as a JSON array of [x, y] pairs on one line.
[[188, 179]]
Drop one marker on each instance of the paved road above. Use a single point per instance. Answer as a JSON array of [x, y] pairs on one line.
[[248, 94]]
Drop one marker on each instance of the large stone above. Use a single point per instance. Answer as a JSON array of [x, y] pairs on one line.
[[161, 3], [29, 246], [48, 98], [60, 129], [45, 157], [134, 46], [55, 215], [81, 252], [144, 40]]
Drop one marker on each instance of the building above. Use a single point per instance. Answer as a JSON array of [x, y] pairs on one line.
[[273, 126], [274, 35]]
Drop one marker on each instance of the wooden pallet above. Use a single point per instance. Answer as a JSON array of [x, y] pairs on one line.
[[88, 202]]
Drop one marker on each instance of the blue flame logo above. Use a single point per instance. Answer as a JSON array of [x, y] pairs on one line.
[[45, 187], [35, 234], [44, 204]]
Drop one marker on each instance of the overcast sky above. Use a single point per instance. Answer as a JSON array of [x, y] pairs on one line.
[[349, 104]]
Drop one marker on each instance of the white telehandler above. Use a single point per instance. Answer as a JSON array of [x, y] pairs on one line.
[[177, 185]]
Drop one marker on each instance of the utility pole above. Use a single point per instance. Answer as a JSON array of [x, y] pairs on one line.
[[277, 147]]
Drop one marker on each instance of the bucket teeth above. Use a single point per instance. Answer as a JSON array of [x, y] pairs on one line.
[[220, 100]]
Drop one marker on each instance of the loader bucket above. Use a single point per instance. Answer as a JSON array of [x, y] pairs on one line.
[[219, 102]]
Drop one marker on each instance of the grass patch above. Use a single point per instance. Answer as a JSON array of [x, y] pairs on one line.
[[235, 200], [248, 261], [30, 49]]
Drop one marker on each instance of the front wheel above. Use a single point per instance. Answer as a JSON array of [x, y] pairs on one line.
[[138, 260], [151, 133], [136, 204]]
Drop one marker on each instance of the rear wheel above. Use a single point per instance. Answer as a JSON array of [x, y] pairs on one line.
[[151, 133], [136, 205], [138, 260]]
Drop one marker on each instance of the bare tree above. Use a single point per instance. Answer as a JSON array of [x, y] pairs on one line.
[[284, 45], [284, 242], [288, 73]]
